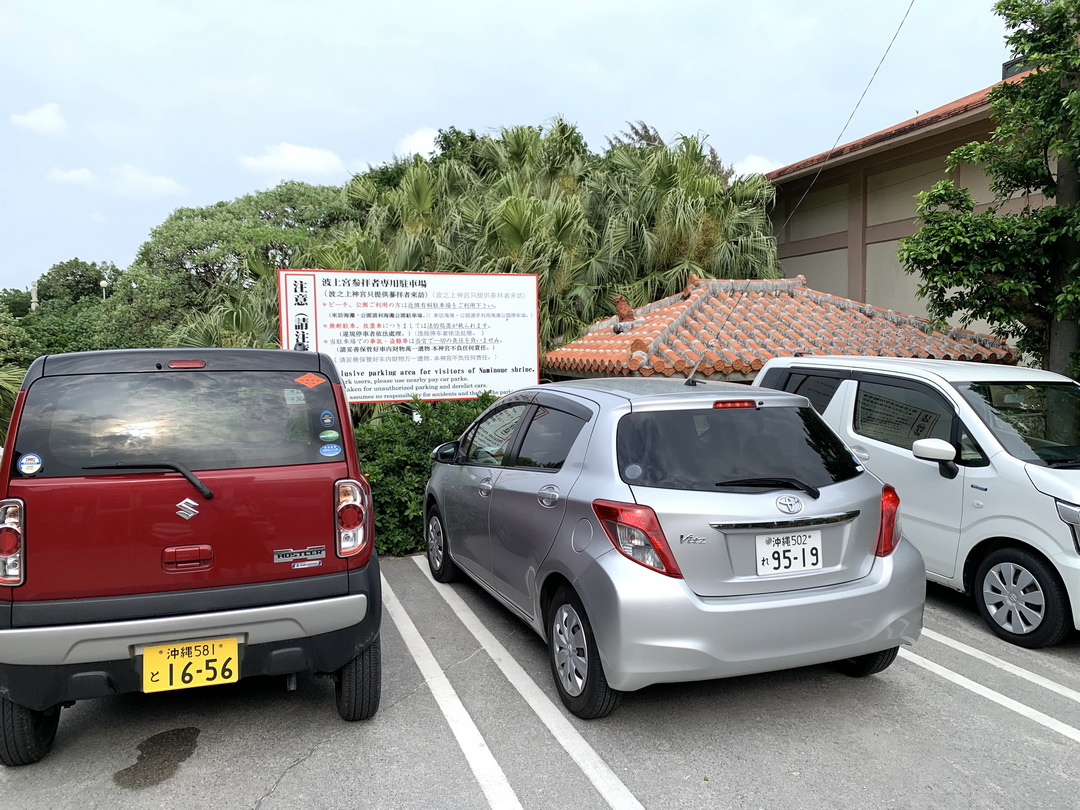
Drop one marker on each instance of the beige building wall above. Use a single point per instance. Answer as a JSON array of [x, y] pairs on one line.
[[887, 285], [890, 195], [825, 272]]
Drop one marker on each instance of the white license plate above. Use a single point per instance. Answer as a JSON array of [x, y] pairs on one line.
[[788, 551]]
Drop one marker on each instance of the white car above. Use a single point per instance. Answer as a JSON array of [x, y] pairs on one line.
[[986, 460]]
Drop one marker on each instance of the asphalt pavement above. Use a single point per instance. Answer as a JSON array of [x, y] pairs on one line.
[[470, 719]]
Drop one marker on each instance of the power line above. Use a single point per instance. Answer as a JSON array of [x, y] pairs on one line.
[[850, 117]]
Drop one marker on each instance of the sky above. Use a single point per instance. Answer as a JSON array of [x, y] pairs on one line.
[[115, 113]]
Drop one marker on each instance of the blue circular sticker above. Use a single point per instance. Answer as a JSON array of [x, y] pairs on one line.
[[330, 449], [29, 463], [327, 419]]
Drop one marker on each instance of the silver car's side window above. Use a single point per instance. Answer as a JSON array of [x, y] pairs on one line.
[[488, 444], [548, 439]]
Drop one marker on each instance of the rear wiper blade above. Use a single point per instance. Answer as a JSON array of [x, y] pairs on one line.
[[794, 483], [204, 490], [1064, 465]]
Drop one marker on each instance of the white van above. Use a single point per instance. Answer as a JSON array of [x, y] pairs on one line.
[[986, 460]]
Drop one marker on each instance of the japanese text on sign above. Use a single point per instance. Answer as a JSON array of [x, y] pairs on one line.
[[394, 336]]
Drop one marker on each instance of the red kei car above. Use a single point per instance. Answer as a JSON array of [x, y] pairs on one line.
[[180, 518]]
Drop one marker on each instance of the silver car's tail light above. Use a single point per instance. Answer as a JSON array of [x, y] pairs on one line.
[[11, 542], [635, 532], [352, 518], [889, 533]]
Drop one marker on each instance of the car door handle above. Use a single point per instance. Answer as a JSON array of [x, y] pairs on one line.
[[485, 487], [548, 496], [860, 452]]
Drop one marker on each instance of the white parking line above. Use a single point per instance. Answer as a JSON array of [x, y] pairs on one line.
[[488, 773], [614, 792], [983, 691], [1012, 669]]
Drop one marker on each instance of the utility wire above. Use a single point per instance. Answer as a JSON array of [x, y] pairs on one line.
[[850, 117]]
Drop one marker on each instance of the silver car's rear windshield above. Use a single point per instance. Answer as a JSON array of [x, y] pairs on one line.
[[700, 449]]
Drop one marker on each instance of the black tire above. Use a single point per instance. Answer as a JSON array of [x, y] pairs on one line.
[[358, 684], [443, 569], [870, 664], [575, 660], [1022, 599], [28, 733]]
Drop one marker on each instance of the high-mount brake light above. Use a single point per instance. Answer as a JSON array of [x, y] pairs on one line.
[[734, 403], [11, 542], [635, 532], [352, 518], [187, 364], [889, 533]]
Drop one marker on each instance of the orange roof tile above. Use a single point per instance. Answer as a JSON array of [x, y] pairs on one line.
[[749, 322], [943, 113]]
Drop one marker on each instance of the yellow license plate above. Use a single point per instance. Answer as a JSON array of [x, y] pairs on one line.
[[186, 664]]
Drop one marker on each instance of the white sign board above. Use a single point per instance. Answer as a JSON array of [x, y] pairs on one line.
[[394, 336]]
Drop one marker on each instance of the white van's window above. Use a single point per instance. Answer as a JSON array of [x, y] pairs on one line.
[[817, 388], [1035, 422], [899, 415]]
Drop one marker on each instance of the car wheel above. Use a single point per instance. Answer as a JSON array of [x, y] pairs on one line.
[[442, 567], [1022, 598], [358, 684], [575, 660], [28, 733], [870, 664]]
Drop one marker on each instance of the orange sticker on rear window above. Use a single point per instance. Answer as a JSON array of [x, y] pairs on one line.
[[310, 380]]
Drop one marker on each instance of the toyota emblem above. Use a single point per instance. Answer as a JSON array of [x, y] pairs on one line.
[[789, 504]]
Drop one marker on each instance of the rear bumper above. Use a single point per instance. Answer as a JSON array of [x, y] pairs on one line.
[[653, 629], [43, 666]]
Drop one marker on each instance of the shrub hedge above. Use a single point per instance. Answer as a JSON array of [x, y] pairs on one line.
[[395, 456]]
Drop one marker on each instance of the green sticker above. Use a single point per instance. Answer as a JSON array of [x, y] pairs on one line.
[[329, 435]]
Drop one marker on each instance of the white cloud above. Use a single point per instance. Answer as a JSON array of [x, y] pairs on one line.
[[288, 161], [131, 181], [421, 142], [44, 120], [755, 164], [122, 181], [72, 177]]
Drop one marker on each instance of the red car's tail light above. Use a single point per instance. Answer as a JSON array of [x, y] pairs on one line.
[[635, 532], [187, 364], [11, 542], [889, 533], [734, 403], [353, 518]]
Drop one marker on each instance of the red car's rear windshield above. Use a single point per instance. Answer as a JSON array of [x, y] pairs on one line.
[[199, 419]]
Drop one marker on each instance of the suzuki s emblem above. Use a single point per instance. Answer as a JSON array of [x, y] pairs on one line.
[[187, 509], [789, 504]]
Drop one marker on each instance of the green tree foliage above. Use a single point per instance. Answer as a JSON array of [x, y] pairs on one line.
[[1020, 272], [11, 378], [74, 280], [212, 244], [16, 302], [636, 221], [395, 456]]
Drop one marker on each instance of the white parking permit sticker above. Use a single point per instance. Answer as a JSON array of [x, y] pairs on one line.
[[29, 463], [293, 396]]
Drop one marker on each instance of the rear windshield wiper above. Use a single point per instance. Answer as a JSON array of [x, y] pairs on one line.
[[1064, 465], [794, 483], [160, 465]]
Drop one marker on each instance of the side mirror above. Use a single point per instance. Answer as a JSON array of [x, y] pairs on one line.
[[445, 452], [937, 450]]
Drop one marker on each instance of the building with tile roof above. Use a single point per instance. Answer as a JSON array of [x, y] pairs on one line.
[[840, 214], [727, 329]]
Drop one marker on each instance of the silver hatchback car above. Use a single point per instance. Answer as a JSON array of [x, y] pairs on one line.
[[653, 532]]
